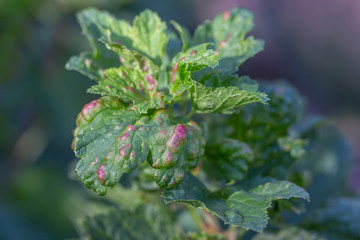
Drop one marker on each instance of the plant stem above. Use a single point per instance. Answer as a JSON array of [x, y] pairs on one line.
[[193, 110]]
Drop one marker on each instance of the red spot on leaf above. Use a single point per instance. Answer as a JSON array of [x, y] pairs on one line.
[[130, 128], [174, 70], [223, 43], [101, 174], [94, 161], [163, 131], [124, 151], [178, 137], [129, 89], [151, 81], [125, 136], [89, 108], [226, 15], [169, 159]]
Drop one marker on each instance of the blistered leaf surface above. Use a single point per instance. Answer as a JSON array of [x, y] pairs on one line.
[[111, 139]]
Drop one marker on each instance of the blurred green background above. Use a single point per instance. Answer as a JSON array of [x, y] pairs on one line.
[[313, 44]]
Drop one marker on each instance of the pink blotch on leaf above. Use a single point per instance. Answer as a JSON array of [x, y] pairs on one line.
[[88, 108], [178, 137], [226, 15], [101, 174], [169, 159], [125, 136], [130, 128], [129, 89], [95, 161], [223, 43], [163, 131], [124, 151], [151, 81], [174, 70]]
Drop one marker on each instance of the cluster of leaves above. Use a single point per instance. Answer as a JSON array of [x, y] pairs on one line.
[[232, 163]]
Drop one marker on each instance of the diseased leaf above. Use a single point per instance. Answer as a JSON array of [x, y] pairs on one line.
[[96, 24], [132, 59], [148, 35], [289, 233], [228, 34], [225, 100], [194, 59], [236, 206], [129, 85], [225, 94], [112, 139]]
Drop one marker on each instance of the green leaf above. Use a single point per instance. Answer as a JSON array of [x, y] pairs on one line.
[[289, 233], [175, 148], [132, 59], [227, 159], [225, 100], [88, 65], [294, 146], [96, 24], [339, 219], [236, 206], [146, 222], [136, 81], [184, 35], [194, 59], [127, 84], [227, 32], [148, 35], [225, 95], [111, 139]]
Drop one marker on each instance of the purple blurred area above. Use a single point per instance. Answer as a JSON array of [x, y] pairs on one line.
[[315, 46], [311, 44]]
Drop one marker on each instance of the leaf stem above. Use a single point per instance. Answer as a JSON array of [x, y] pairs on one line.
[[192, 111], [183, 108], [171, 110]]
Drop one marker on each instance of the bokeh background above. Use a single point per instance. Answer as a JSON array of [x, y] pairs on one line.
[[312, 44]]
